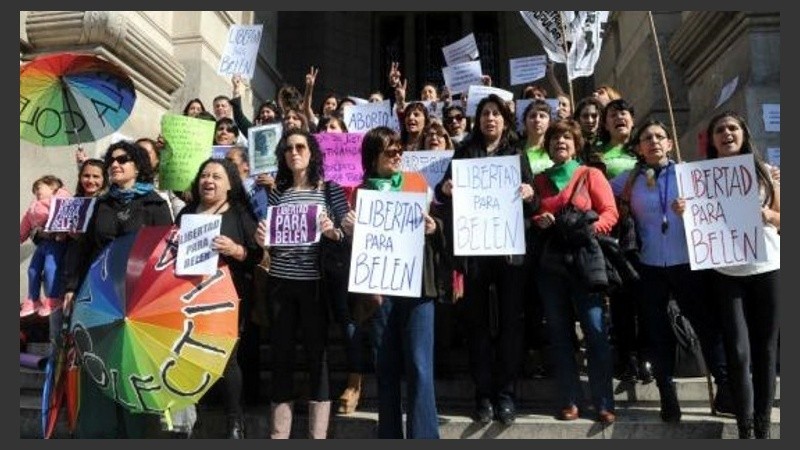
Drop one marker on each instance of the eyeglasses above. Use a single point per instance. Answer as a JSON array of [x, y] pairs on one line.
[[229, 129], [393, 153], [456, 117], [121, 159]]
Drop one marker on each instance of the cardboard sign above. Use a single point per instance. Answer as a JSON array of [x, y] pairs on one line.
[[364, 117], [342, 157], [293, 224], [459, 77], [71, 214], [462, 50], [195, 236], [772, 117], [188, 143], [527, 69], [241, 50]]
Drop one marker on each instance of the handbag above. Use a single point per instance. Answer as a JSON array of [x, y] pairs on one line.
[[689, 361]]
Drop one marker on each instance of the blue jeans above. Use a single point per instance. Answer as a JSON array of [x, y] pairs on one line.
[[559, 296], [44, 268], [404, 345]]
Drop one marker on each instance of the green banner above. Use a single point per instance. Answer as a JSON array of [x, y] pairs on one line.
[[188, 144]]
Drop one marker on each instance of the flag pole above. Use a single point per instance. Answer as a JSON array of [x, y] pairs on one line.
[[666, 86], [566, 57]]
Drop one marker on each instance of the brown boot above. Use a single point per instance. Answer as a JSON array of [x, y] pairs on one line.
[[318, 416], [348, 401], [280, 420]]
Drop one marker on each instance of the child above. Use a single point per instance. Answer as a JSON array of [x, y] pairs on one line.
[[49, 248]]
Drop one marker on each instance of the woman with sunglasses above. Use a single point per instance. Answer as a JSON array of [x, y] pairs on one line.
[[131, 203], [456, 123], [403, 327]]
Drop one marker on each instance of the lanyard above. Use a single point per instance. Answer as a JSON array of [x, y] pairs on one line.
[[662, 199]]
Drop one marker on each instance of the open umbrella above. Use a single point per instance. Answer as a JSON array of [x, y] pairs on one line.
[[151, 340], [70, 98]]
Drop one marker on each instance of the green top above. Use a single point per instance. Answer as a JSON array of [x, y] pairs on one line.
[[538, 159], [617, 160]]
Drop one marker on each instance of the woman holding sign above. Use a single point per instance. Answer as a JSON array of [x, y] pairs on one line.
[[403, 326], [217, 189], [747, 294], [492, 292], [295, 276]]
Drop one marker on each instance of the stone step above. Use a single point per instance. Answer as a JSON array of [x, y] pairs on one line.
[[633, 422]]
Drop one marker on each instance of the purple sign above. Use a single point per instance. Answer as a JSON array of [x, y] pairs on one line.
[[70, 214], [342, 157], [293, 224]]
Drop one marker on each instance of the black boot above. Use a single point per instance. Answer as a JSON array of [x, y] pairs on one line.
[[745, 428], [723, 400], [761, 427], [235, 428], [670, 407]]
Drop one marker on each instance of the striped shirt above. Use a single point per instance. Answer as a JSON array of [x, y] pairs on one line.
[[301, 262]]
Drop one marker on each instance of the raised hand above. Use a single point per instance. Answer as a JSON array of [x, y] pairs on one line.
[[311, 77], [394, 74], [238, 85]]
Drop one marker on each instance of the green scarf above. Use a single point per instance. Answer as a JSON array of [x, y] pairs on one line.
[[561, 174], [393, 183]]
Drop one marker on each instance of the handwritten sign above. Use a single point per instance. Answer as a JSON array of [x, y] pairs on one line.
[[774, 156], [772, 117], [262, 142], [188, 144], [364, 117], [432, 164], [241, 50], [727, 91], [342, 157], [70, 214], [487, 207], [478, 93], [527, 69], [293, 224], [462, 50], [388, 243], [723, 212], [196, 234], [459, 77]]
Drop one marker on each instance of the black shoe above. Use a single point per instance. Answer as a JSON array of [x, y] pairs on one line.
[[745, 427], [670, 407], [483, 411], [236, 428], [627, 371], [723, 400], [645, 372], [506, 412], [761, 427]]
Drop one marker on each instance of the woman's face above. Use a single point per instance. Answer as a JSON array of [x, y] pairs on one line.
[[455, 122], [292, 121], [536, 122], [435, 140], [654, 145], [151, 153], [91, 180], [224, 134], [619, 124], [194, 109], [492, 122], [122, 170], [297, 154], [375, 98], [564, 107], [728, 137], [266, 115], [329, 107], [214, 184], [388, 162], [415, 121], [602, 95], [589, 118], [428, 93], [333, 126], [561, 147]]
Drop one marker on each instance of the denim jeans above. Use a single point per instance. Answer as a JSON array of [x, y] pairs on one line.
[[44, 268], [559, 296], [404, 346]]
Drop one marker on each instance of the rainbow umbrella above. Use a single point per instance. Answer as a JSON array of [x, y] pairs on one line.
[[68, 98], [62, 383], [151, 340]]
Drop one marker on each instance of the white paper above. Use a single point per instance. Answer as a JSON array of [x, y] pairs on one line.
[[478, 93], [527, 69], [241, 50], [434, 108], [463, 50], [195, 256], [388, 243], [722, 219], [772, 116], [432, 164], [487, 206], [459, 77], [364, 117], [262, 142], [727, 91], [774, 156]]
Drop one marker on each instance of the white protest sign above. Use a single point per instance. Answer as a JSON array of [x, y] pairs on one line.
[[195, 256], [487, 206], [774, 156], [362, 118], [772, 116], [293, 224], [262, 141], [723, 212], [478, 93], [388, 243], [462, 50], [459, 77], [587, 40], [70, 214], [727, 91], [241, 49], [546, 25], [527, 69], [432, 164]]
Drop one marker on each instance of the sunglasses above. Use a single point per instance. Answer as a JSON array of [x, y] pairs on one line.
[[393, 153], [121, 159], [456, 117]]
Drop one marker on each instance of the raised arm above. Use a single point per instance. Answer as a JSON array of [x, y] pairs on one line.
[[311, 79]]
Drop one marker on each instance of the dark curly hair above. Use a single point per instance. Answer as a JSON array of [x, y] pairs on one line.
[[139, 156], [315, 171], [509, 136], [237, 197]]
